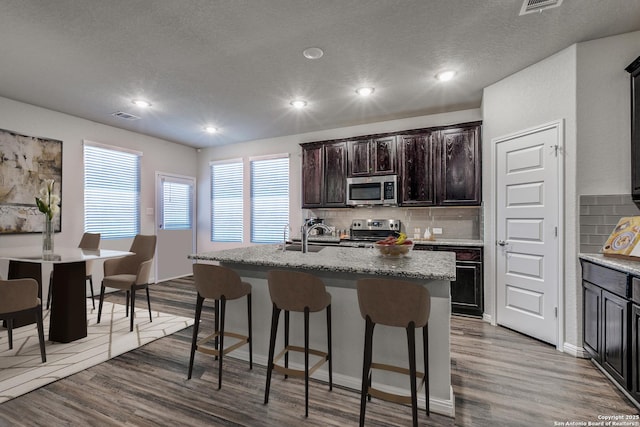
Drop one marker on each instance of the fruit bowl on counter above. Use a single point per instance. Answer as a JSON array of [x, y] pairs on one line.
[[394, 247]]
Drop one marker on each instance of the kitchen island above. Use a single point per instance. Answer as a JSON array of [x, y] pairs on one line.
[[340, 268]]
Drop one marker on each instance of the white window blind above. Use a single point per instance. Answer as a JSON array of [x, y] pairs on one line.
[[226, 202], [269, 199], [177, 202], [111, 192]]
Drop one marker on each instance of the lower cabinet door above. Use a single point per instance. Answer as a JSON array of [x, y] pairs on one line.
[[592, 304], [615, 337], [635, 352]]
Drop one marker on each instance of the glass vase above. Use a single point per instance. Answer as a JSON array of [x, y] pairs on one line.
[[47, 236]]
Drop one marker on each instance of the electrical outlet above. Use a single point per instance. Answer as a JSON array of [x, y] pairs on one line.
[[437, 230]]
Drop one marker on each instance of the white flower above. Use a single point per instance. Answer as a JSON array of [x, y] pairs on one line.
[[48, 203]]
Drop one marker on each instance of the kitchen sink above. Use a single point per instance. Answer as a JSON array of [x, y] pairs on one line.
[[298, 248]]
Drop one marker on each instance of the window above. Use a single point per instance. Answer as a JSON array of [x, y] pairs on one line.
[[177, 202], [269, 199], [111, 191], [226, 201]]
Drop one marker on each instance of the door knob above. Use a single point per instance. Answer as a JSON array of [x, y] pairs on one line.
[[501, 243]]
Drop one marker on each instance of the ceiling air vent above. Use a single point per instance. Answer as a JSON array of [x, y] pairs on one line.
[[532, 6], [125, 116]]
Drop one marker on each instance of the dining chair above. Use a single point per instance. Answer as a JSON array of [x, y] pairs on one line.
[[89, 242], [20, 297], [130, 273]]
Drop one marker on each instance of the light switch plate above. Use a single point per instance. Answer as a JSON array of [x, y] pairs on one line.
[[437, 230]]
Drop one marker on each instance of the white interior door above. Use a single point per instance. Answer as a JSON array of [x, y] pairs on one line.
[[528, 189], [175, 209]]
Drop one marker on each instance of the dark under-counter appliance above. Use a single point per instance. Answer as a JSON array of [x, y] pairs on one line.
[[372, 190], [374, 229]]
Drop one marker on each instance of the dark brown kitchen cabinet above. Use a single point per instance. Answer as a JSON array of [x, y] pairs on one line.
[[634, 70], [459, 166], [441, 167], [607, 321], [335, 167], [374, 156], [416, 170], [635, 351], [324, 175]]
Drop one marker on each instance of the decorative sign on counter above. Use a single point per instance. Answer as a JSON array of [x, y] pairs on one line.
[[623, 241]]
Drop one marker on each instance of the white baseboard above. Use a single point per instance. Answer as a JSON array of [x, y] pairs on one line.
[[575, 351], [487, 318]]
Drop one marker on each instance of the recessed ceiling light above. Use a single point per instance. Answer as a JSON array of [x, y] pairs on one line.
[[445, 76], [141, 103], [210, 129], [313, 53], [365, 91], [298, 103]]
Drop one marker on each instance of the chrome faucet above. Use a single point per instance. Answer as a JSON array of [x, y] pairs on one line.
[[287, 228], [305, 230]]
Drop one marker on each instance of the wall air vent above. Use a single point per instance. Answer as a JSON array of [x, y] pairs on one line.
[[533, 6], [125, 116]]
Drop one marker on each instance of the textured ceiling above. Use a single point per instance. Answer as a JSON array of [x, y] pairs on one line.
[[236, 64]]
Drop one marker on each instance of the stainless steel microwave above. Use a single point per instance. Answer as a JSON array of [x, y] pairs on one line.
[[372, 190]]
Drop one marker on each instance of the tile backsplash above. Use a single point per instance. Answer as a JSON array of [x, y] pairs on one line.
[[599, 216], [455, 222]]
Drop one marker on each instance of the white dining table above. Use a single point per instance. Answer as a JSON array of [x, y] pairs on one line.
[[68, 316]]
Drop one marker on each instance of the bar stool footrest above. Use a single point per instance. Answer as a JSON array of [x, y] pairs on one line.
[[299, 372], [393, 397], [202, 348]]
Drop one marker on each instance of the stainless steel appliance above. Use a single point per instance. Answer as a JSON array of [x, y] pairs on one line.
[[372, 190], [374, 229]]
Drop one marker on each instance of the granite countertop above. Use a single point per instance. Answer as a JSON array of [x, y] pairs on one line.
[[621, 264], [418, 265]]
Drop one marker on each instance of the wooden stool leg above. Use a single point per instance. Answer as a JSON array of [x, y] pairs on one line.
[[49, 293], [223, 306], [425, 350], [411, 338], [93, 300], [148, 303], [100, 303], [10, 332], [196, 326], [272, 343], [286, 340], [43, 355], [216, 325], [250, 337], [133, 307], [366, 367], [330, 355]]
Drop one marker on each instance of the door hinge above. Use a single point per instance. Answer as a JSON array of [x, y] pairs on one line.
[[555, 231], [556, 310]]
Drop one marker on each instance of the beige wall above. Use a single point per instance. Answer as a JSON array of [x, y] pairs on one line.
[[158, 155]]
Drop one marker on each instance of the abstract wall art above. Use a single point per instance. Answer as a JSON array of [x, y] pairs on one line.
[[25, 162]]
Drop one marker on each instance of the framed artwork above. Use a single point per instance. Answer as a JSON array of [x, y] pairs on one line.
[[25, 162]]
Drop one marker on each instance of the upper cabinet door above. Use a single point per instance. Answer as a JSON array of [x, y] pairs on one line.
[[335, 174], [359, 158], [459, 167], [416, 170], [312, 176], [383, 156]]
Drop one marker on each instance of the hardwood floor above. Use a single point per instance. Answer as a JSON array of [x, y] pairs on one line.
[[500, 378]]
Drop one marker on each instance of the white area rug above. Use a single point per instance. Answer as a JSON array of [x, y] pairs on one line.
[[22, 370]]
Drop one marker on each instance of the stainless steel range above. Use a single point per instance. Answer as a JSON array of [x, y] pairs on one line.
[[374, 229]]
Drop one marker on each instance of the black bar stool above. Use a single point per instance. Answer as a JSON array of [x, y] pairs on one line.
[[221, 284], [399, 304], [299, 292]]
